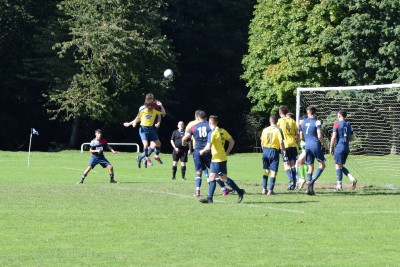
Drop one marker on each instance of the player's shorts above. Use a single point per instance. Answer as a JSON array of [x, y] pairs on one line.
[[291, 154], [148, 133], [270, 159], [95, 159], [201, 162], [313, 153], [182, 155], [219, 167], [341, 155]]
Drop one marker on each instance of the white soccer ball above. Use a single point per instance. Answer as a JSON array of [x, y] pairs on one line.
[[168, 74]]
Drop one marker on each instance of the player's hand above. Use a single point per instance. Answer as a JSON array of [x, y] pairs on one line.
[[184, 142], [227, 153], [201, 152], [157, 125], [127, 124], [177, 150], [331, 151], [159, 103]]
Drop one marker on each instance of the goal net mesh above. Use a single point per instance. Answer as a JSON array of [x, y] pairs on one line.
[[374, 114]]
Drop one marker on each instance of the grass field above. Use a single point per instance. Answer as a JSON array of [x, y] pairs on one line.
[[150, 220]]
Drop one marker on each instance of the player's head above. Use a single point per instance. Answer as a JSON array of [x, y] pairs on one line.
[[201, 115], [148, 105], [98, 134], [273, 119], [291, 115], [342, 114], [196, 114], [283, 111], [213, 121], [181, 125], [149, 98], [311, 111]]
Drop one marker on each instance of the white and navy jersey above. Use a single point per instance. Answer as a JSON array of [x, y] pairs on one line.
[[309, 127], [200, 132], [98, 145], [344, 131]]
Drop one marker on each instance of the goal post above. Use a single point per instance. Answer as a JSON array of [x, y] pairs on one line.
[[374, 113]]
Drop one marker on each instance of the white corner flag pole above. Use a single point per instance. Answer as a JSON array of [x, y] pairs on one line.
[[30, 142]]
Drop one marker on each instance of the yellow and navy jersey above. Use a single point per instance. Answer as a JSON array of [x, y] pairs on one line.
[[217, 139], [289, 129], [147, 117], [271, 137]]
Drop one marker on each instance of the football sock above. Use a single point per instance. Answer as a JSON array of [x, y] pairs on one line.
[[149, 151], [84, 176], [183, 171], [317, 175], [111, 176], [309, 177], [146, 152], [264, 181], [220, 183], [232, 184], [294, 174], [211, 189], [198, 182], [174, 169], [157, 150], [289, 174], [339, 175], [271, 183]]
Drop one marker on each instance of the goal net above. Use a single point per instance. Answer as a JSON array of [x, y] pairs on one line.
[[374, 113]]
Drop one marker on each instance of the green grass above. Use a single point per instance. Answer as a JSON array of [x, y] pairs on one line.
[[46, 219]]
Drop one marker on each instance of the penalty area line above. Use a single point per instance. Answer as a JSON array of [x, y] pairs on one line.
[[243, 204]]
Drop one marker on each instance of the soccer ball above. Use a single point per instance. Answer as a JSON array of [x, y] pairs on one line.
[[168, 74]]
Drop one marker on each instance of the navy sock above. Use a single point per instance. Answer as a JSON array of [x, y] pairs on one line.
[[206, 173], [317, 175], [220, 183], [112, 176], [232, 184], [264, 181], [339, 175], [198, 181], [309, 177], [157, 151], [146, 152], [289, 175], [345, 171], [211, 189], [84, 176], [174, 169], [183, 171], [149, 151], [294, 174], [272, 183]]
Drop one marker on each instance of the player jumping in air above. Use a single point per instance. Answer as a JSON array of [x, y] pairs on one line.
[[290, 133], [96, 148], [216, 141], [312, 134], [271, 142], [147, 131], [341, 136]]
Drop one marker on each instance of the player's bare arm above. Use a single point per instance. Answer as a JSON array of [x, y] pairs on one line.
[[321, 139], [173, 145], [133, 123], [186, 138], [205, 149], [230, 146], [333, 140], [112, 150]]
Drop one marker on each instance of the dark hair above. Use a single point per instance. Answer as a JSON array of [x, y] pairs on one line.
[[214, 118], [201, 114], [343, 113], [312, 110], [283, 110], [97, 131], [273, 118], [291, 115], [197, 112]]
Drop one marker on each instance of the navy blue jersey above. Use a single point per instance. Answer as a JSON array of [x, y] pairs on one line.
[[344, 131], [98, 145], [309, 128], [199, 133]]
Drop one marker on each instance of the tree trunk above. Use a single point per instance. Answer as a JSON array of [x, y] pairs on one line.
[[73, 139]]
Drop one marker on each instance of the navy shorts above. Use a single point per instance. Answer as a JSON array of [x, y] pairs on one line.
[[270, 159], [201, 162], [291, 154], [98, 160], [341, 155], [148, 133], [182, 155], [313, 153], [218, 167]]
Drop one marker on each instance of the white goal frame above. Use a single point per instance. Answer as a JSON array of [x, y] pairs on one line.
[[117, 144]]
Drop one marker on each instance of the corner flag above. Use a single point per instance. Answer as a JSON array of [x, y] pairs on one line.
[[33, 131]]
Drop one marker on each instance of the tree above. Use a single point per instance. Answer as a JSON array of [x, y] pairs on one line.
[[118, 52]]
